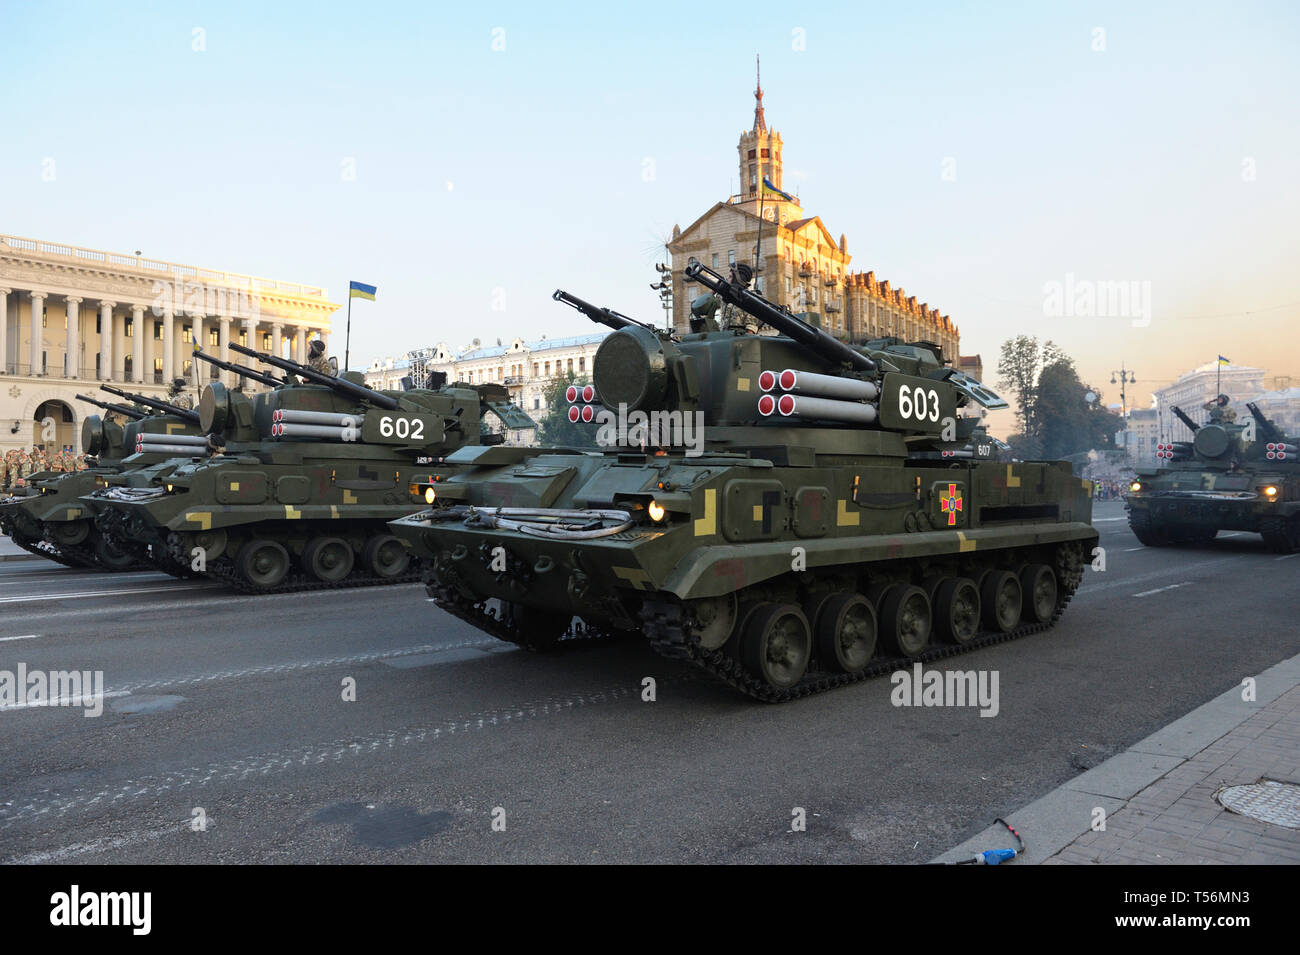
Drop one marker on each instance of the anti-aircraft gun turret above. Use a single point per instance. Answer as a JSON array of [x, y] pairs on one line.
[[760, 507], [1238, 476], [303, 478]]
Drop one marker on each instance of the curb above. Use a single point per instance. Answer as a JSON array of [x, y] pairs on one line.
[[1057, 819], [4, 557]]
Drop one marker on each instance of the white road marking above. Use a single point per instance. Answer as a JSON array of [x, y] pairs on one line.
[[1158, 590], [1129, 550], [104, 593], [98, 845], [1288, 556], [81, 700], [26, 636], [1104, 520]]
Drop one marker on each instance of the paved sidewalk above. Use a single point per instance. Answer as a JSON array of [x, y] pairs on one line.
[[1159, 796]]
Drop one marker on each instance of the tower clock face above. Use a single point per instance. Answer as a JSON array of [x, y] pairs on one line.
[[770, 213]]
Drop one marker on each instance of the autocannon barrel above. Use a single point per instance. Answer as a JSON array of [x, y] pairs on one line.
[[131, 413], [338, 385], [1182, 416], [157, 404], [604, 316], [265, 379], [831, 349]]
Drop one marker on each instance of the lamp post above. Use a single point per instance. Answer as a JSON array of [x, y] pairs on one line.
[[665, 289], [1125, 378]]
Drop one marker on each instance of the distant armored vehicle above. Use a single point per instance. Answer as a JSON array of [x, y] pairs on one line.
[[49, 518], [298, 493], [774, 509], [1232, 476]]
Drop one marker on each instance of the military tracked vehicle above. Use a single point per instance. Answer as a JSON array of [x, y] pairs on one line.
[[774, 509], [1232, 476], [299, 492], [49, 518]]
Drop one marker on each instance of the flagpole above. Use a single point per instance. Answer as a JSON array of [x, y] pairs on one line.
[[1218, 378], [347, 341], [758, 244]]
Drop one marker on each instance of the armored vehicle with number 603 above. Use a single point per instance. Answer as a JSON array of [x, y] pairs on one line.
[[777, 510], [299, 493]]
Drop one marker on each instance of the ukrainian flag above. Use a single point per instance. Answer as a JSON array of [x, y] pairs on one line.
[[361, 290], [1224, 361], [775, 193]]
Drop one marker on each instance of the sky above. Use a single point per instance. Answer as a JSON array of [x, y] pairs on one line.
[[1000, 161]]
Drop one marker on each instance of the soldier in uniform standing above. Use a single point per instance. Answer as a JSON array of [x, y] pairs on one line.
[[316, 359]]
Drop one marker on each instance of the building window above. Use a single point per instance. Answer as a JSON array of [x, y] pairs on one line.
[[214, 339], [127, 364], [714, 258], [243, 339], [97, 324], [266, 341], [535, 369], [45, 364], [96, 364], [570, 369], [582, 364], [189, 367], [548, 369], [787, 284], [537, 404], [157, 331], [187, 334], [731, 256], [129, 327]]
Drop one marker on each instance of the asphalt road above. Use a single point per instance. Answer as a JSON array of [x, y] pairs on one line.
[[235, 706]]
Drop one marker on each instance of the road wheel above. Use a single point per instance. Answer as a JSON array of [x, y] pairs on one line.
[[385, 556], [846, 632], [957, 610], [263, 563], [328, 558], [905, 619], [1000, 598], [110, 556], [68, 533], [777, 644], [713, 619], [1038, 589], [1139, 522]]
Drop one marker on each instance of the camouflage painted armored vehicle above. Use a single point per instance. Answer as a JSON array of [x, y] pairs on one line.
[[1232, 476], [301, 493], [774, 509], [49, 518]]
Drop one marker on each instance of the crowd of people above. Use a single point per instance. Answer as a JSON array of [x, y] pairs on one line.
[[1109, 490], [18, 465]]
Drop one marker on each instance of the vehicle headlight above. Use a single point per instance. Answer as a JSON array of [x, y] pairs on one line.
[[430, 495], [1135, 486], [657, 511], [1271, 491]]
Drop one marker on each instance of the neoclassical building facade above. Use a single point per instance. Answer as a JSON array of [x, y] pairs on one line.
[[798, 262], [72, 317]]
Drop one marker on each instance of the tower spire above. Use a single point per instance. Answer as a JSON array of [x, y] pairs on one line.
[[760, 124]]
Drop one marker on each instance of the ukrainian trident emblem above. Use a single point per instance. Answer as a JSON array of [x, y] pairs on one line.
[[950, 504]]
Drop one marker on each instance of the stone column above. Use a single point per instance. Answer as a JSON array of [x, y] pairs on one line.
[[4, 330], [277, 339], [197, 326], [250, 338], [300, 346], [225, 348], [34, 353], [169, 346], [107, 344], [140, 352], [73, 360]]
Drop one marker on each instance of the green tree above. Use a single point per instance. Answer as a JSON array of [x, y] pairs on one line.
[[554, 427], [1022, 361]]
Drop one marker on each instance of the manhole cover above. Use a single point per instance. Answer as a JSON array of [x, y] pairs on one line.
[[1267, 800]]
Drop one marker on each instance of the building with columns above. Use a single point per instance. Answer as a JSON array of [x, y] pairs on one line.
[[72, 317], [1193, 389], [797, 261]]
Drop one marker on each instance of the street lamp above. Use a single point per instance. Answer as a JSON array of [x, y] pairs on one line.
[[1125, 378]]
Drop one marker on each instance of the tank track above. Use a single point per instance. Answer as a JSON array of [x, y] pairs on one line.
[[663, 624], [58, 554], [477, 615], [297, 581]]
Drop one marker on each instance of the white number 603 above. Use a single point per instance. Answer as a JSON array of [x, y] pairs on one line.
[[918, 403]]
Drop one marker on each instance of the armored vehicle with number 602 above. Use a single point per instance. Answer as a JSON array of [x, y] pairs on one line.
[[300, 490], [777, 510]]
